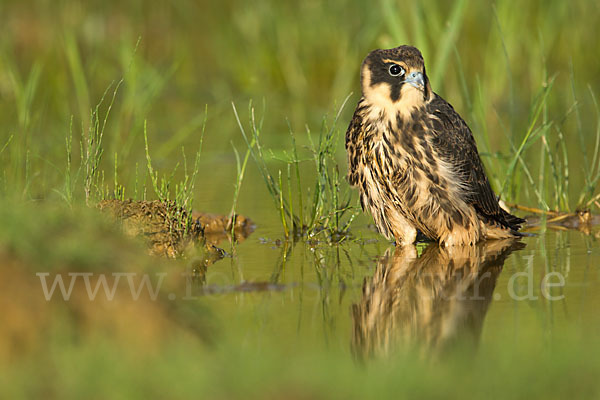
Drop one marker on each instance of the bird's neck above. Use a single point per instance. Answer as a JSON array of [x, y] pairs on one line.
[[381, 110]]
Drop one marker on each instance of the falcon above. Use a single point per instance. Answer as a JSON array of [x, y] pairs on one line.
[[415, 161]]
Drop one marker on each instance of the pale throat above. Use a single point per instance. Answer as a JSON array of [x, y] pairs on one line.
[[379, 97]]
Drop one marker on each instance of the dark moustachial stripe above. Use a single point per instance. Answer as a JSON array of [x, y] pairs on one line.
[[423, 167]]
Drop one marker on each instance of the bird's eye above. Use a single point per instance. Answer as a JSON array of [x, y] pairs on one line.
[[396, 70]]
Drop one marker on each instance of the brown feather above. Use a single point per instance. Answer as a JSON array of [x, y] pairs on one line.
[[415, 161]]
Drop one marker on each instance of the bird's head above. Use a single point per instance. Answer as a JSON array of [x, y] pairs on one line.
[[395, 78]]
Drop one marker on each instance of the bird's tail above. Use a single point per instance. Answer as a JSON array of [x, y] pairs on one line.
[[502, 226], [512, 221]]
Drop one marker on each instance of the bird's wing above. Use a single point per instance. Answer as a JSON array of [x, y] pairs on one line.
[[454, 143], [353, 148]]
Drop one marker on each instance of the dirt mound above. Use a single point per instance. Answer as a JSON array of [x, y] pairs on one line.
[[169, 230]]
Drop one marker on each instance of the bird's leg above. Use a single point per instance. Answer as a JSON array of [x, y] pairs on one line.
[[460, 236], [403, 231], [406, 236]]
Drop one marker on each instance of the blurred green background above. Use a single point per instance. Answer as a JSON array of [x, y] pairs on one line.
[[491, 60], [523, 74]]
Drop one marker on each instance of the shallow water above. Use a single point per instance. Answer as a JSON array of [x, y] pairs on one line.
[[271, 312], [371, 299], [304, 318]]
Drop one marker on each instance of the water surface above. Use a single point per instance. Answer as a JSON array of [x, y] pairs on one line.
[[371, 299]]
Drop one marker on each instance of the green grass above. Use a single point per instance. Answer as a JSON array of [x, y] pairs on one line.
[[237, 355], [305, 210], [529, 99], [125, 100], [183, 191], [565, 373]]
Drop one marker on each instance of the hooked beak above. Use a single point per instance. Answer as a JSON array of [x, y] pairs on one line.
[[416, 79]]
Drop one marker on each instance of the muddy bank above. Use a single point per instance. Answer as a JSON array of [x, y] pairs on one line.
[[168, 229]]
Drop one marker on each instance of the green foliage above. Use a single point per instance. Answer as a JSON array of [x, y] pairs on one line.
[[492, 63], [305, 213], [100, 99], [184, 190], [92, 150]]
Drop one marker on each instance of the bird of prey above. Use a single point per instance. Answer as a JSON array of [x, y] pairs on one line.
[[415, 161]]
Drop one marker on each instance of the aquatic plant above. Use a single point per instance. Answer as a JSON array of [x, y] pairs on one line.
[[305, 213]]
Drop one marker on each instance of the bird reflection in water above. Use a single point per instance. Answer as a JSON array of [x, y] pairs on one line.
[[428, 302]]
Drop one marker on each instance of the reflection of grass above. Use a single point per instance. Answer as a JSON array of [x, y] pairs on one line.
[[74, 348]]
